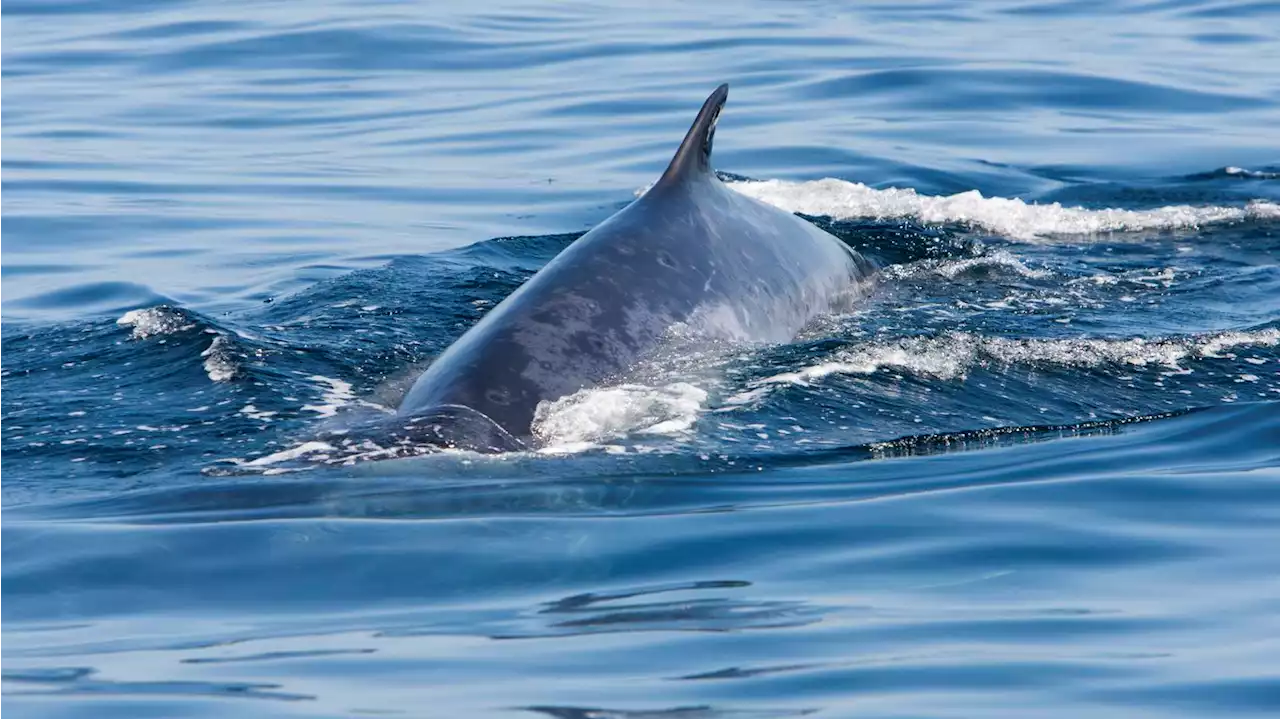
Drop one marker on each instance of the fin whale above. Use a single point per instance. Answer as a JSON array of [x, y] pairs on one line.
[[688, 253]]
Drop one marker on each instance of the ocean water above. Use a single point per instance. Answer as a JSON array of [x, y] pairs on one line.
[[1034, 474]]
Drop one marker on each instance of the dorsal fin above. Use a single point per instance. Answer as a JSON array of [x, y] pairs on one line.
[[693, 159]]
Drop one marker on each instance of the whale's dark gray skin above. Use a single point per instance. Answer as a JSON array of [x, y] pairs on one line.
[[689, 255]]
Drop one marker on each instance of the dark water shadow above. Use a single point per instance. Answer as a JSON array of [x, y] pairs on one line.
[[79, 681], [692, 712]]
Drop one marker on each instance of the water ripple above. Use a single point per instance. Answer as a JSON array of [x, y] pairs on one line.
[[1033, 473]]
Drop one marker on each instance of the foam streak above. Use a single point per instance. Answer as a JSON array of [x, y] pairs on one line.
[[1011, 217]]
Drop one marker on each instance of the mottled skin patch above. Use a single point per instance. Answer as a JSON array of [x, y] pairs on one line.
[[690, 250]]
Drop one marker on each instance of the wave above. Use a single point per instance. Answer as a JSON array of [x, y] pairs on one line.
[[610, 418], [156, 322], [220, 358], [952, 355], [1245, 173], [1011, 217]]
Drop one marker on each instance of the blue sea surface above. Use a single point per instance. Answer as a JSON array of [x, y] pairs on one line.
[[1036, 473]]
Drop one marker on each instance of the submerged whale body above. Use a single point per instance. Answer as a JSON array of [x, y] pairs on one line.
[[689, 253]]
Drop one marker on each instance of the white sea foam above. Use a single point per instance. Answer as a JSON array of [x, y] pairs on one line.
[[253, 412], [584, 421], [591, 416], [1011, 217], [155, 322], [954, 354], [1000, 260], [219, 361], [219, 357], [306, 454], [310, 450], [1252, 174], [336, 394]]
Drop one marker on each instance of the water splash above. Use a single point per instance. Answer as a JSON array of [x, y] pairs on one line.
[[590, 416]]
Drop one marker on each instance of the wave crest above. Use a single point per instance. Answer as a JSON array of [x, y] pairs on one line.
[[1011, 217]]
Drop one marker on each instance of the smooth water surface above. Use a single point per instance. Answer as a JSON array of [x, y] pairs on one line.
[[1034, 474]]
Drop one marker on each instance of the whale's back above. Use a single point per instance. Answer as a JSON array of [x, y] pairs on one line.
[[689, 253]]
